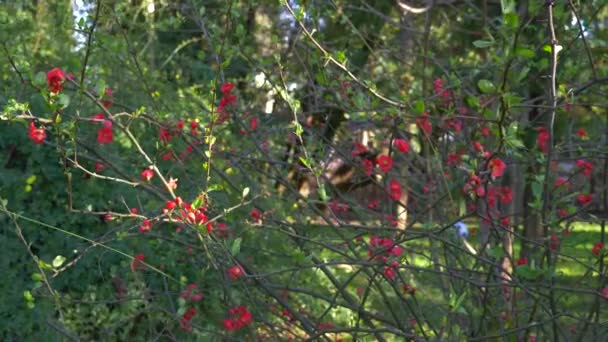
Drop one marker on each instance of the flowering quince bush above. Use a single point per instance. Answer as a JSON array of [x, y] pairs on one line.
[[309, 196]]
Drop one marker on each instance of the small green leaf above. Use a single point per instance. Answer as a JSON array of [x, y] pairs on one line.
[[524, 52], [236, 247], [486, 86], [419, 107], [40, 79], [64, 100], [58, 261], [322, 193], [482, 44]]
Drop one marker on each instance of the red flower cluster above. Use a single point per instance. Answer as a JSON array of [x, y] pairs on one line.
[[474, 184], [394, 189], [554, 243], [585, 166], [227, 99], [597, 248], [424, 124], [409, 289], [358, 150], [36, 134], [241, 317], [194, 216], [146, 226], [542, 139], [338, 207], [192, 293], [137, 262], [107, 98], [235, 272], [584, 199], [55, 78], [184, 322], [522, 261]]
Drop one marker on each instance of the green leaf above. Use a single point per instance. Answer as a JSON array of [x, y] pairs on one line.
[[511, 19], [58, 261], [236, 247], [340, 56], [524, 52], [482, 44], [486, 86], [419, 107], [40, 79], [322, 193], [64, 100]]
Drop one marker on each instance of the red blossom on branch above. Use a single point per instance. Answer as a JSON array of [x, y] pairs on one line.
[[36, 134], [55, 78], [385, 163]]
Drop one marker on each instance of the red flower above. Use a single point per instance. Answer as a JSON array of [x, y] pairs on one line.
[[385, 163], [256, 216], [55, 78], [583, 199], [98, 117], [542, 139], [522, 261], [235, 272], [582, 133], [485, 131], [137, 262], [253, 123], [147, 174], [241, 318], [597, 247], [105, 135], [424, 123], [107, 102], [99, 167], [454, 159], [36, 134], [191, 292], [390, 273], [438, 84], [477, 146], [395, 190], [146, 226], [227, 88], [358, 149], [587, 167], [164, 135], [408, 289], [229, 324], [605, 293], [497, 167], [368, 167], [504, 194], [184, 322], [554, 242], [402, 145]]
